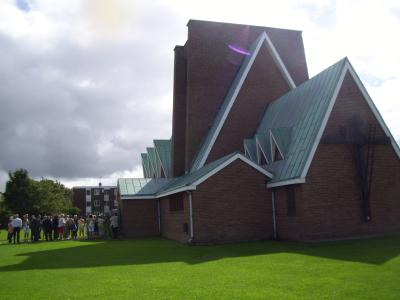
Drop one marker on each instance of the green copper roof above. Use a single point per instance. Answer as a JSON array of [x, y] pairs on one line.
[[151, 152], [295, 119], [163, 149], [145, 165], [140, 186], [282, 137]]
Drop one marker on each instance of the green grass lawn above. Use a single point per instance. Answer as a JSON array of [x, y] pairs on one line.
[[156, 268]]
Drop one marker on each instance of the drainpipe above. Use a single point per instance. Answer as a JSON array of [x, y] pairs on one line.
[[159, 216], [274, 214], [190, 218]]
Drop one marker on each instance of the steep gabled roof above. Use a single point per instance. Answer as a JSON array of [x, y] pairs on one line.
[[163, 151], [233, 91], [189, 181], [303, 111], [282, 136]]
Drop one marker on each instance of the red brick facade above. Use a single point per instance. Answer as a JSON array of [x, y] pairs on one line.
[[175, 224], [139, 218], [222, 212], [233, 205]]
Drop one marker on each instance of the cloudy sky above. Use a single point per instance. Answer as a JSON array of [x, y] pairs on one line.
[[85, 85]]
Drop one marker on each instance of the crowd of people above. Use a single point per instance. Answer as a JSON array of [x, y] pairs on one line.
[[61, 227]]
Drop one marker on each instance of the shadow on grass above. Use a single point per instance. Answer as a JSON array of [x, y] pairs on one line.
[[158, 250]]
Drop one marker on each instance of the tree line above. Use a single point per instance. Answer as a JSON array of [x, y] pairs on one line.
[[26, 195]]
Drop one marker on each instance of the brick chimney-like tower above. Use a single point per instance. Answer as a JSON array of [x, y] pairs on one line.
[[205, 68]]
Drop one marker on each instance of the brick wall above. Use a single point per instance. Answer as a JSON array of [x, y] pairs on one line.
[[329, 203], [79, 199], [172, 222], [139, 218], [231, 206]]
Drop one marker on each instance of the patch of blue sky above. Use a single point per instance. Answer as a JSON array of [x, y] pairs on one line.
[[23, 5]]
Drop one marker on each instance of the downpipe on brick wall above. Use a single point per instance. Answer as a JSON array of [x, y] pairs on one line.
[[274, 215], [190, 218]]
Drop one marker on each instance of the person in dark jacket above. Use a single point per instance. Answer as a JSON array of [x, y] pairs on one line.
[[47, 226], [55, 227], [35, 226]]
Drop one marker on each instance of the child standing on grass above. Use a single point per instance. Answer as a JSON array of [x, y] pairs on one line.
[[25, 226]]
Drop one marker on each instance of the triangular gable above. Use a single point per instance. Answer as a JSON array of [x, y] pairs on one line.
[[347, 68], [145, 165], [263, 146], [151, 152], [163, 152], [276, 152], [233, 92], [190, 181], [250, 149]]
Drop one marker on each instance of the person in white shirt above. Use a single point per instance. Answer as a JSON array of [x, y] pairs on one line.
[[16, 224], [61, 223], [114, 225], [100, 225]]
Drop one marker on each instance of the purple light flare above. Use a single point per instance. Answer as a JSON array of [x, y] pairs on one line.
[[239, 50]]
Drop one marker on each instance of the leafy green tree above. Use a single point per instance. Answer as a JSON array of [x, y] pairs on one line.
[[51, 197], [18, 196], [45, 196], [4, 213], [74, 211]]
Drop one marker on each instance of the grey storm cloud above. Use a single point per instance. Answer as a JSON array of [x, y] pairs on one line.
[[73, 111]]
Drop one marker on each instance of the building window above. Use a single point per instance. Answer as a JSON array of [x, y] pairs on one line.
[[106, 192], [115, 203], [106, 203], [96, 192], [176, 202], [290, 201], [88, 204], [96, 203], [88, 192]]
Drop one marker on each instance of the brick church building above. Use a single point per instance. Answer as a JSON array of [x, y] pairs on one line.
[[259, 150]]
